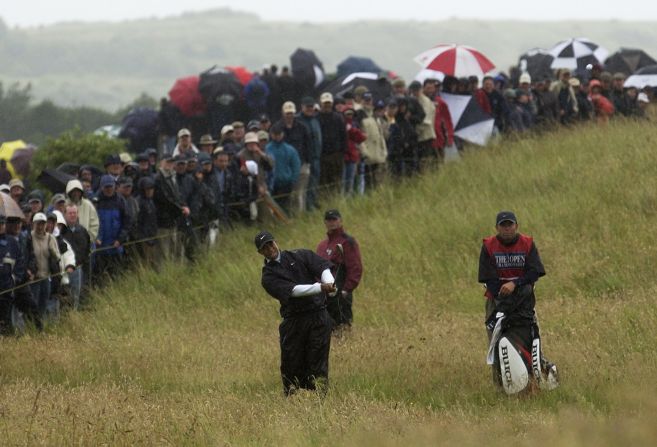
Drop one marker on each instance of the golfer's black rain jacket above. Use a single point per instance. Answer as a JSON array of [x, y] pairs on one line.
[[295, 267]]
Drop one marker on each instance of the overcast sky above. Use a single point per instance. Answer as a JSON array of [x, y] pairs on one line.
[[37, 12]]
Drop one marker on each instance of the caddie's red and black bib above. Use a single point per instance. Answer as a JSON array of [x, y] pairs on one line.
[[509, 260]]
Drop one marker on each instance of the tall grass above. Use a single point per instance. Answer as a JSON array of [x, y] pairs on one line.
[[189, 356]]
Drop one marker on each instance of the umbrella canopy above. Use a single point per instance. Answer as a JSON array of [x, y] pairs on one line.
[[538, 63], [9, 208], [470, 122], [55, 181], [307, 68], [241, 73], [18, 156], [646, 77], [220, 85], [356, 64], [628, 60], [425, 74], [139, 126], [455, 60], [185, 95], [576, 54], [377, 85]]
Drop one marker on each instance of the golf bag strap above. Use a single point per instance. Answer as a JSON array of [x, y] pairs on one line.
[[497, 334]]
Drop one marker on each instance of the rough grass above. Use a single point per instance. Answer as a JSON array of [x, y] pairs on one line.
[[190, 356]]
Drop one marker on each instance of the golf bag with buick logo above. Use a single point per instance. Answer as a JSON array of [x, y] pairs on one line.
[[515, 345]]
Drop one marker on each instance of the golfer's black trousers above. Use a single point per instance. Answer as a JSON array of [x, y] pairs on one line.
[[305, 342]]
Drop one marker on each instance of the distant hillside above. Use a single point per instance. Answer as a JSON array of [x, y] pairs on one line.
[[109, 64]]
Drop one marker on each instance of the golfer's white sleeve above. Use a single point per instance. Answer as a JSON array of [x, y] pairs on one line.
[[306, 289], [313, 289], [327, 277]]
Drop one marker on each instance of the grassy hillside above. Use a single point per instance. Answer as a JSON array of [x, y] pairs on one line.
[[190, 356], [109, 64]]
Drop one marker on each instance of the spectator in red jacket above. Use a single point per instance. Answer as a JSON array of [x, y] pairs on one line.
[[355, 136], [443, 125], [347, 268]]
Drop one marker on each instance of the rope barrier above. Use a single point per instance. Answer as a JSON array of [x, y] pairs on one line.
[[326, 187]]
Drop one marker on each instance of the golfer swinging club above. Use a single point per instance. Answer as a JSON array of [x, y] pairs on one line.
[[299, 280]]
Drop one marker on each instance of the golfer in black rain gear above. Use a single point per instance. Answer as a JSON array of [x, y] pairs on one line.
[[299, 280]]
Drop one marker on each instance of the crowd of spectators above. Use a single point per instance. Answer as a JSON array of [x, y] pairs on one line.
[[172, 202]]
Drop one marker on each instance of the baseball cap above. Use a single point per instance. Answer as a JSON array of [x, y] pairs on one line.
[[332, 214], [289, 107], [184, 132], [113, 159], [262, 238], [643, 97], [58, 198], [251, 137], [253, 125], [39, 217], [204, 158], [227, 128], [504, 216], [308, 101], [262, 135], [125, 180], [525, 78], [107, 180], [237, 124], [326, 97], [5, 188]]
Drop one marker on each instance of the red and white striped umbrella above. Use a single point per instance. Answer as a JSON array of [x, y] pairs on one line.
[[455, 60]]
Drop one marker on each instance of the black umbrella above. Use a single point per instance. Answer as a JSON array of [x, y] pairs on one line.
[[628, 60], [355, 64], [55, 181], [307, 69], [139, 127], [379, 86], [219, 85], [537, 63], [646, 77]]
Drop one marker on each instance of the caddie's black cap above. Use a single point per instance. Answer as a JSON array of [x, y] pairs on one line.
[[504, 216], [332, 214], [262, 238]]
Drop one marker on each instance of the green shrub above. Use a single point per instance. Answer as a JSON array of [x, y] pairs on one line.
[[77, 147]]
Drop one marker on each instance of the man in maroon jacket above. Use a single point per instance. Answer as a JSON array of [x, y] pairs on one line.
[[347, 268]]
